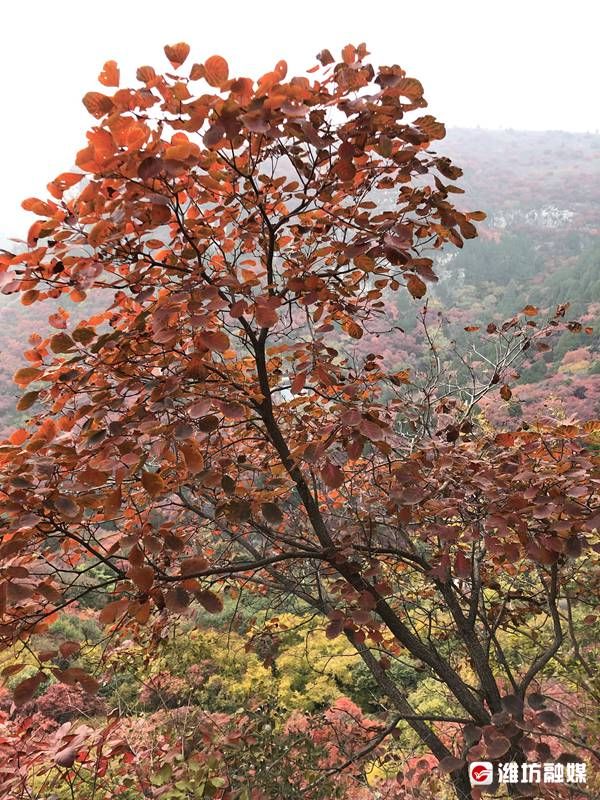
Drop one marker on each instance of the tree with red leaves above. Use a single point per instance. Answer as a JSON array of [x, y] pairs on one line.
[[214, 426]]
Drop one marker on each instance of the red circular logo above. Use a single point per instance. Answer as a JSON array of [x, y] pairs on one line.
[[481, 773]]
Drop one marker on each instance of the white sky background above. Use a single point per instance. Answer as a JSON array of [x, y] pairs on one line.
[[526, 64]]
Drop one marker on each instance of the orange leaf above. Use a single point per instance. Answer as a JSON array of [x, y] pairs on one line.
[[37, 206], [530, 311], [416, 286], [136, 136], [353, 329], [142, 613], [29, 297], [77, 296], [505, 439], [26, 375], [145, 74], [182, 151], [97, 104], [112, 502], [193, 458], [27, 401], [191, 566], [110, 74], [214, 340], [143, 577], [152, 483], [113, 610], [365, 262], [216, 70], [177, 53], [349, 54], [345, 170], [196, 72], [18, 437]]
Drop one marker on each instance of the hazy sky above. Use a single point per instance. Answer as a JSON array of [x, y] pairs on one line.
[[530, 64]]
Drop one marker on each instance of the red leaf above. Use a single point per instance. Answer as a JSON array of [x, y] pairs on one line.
[[13, 669], [325, 57], [505, 439], [371, 430], [334, 629], [69, 649], [199, 409], [25, 690], [351, 418], [266, 316], [498, 747], [66, 507], [271, 513], [211, 602], [214, 340], [332, 475], [143, 577], [549, 718], [298, 382], [177, 600], [451, 764], [345, 170], [66, 757], [462, 565]]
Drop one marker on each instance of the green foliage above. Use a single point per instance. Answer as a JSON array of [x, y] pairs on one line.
[[74, 627], [365, 692]]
